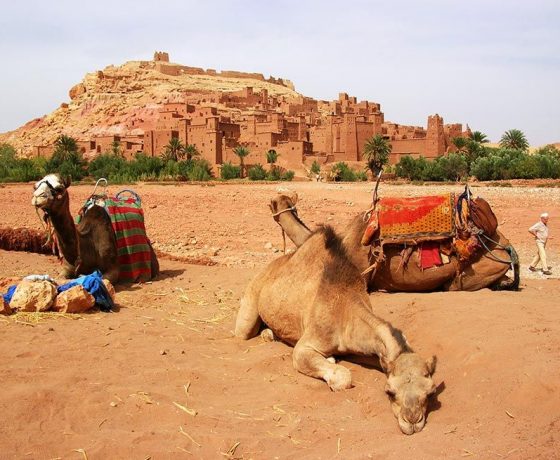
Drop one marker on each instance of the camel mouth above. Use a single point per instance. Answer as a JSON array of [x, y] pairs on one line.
[[40, 202], [409, 428]]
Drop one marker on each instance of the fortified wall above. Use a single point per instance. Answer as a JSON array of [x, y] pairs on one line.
[[162, 64], [299, 129]]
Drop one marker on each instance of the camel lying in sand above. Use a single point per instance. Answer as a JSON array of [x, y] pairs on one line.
[[316, 300], [487, 269]]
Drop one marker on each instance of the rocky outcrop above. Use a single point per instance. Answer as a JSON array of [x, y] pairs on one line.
[[112, 100], [77, 90]]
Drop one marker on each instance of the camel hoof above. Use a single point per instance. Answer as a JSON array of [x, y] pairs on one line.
[[267, 335], [339, 379]]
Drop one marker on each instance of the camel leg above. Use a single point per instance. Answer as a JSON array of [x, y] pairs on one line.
[[248, 320], [309, 361], [112, 275]]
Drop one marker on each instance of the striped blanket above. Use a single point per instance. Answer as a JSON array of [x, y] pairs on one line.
[[133, 245]]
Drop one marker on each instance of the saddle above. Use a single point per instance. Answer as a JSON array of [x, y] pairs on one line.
[[439, 226], [127, 220]]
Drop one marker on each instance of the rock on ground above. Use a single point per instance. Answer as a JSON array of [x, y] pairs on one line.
[[74, 300], [33, 296]]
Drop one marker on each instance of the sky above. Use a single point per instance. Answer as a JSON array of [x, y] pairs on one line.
[[494, 65]]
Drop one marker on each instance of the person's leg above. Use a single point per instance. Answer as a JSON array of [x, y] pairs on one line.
[[542, 256], [536, 259]]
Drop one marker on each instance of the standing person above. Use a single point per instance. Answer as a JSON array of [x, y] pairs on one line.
[[540, 232]]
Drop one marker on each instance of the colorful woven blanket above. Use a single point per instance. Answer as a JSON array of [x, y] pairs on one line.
[[416, 219], [133, 245]]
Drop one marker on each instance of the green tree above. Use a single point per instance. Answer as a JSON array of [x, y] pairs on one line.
[[191, 151], [65, 148], [116, 148], [271, 157], [174, 150], [241, 152], [315, 167], [66, 159], [514, 139], [376, 153], [479, 137]]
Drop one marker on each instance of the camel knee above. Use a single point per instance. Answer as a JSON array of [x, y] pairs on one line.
[[338, 378], [248, 321], [310, 362]]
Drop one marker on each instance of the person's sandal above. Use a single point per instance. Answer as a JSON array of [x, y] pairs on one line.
[[533, 269], [547, 272]]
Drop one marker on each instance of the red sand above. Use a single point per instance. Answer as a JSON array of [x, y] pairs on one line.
[[108, 383]]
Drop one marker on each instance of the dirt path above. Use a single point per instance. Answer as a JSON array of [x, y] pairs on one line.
[[163, 376]]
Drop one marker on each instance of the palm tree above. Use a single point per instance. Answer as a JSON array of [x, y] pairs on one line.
[[65, 148], [271, 157], [376, 153], [479, 137], [461, 143], [174, 150], [191, 151], [241, 152], [514, 139]]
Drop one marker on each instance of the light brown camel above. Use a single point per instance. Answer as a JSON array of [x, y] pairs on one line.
[[487, 269], [316, 300], [91, 245]]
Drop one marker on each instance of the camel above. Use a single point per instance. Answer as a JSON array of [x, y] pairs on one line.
[[315, 300], [91, 245], [487, 269]]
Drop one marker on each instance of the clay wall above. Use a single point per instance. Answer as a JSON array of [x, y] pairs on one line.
[[161, 56], [435, 138], [155, 141]]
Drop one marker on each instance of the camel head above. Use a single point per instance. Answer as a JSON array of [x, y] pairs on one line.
[[409, 385], [50, 192], [282, 203]]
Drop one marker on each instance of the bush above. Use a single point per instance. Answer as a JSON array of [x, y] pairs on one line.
[[201, 170], [274, 174], [315, 167], [287, 176], [108, 166], [256, 172], [230, 171], [341, 172]]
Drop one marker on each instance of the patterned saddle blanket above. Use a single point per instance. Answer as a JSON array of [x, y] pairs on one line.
[[133, 245], [412, 220]]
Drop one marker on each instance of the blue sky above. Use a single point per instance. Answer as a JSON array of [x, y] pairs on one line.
[[492, 64]]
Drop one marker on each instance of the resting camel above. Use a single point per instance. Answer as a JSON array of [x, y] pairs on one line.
[[91, 245], [316, 300], [487, 269]]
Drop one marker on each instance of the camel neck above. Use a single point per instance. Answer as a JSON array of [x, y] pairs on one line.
[[294, 228], [66, 233], [376, 337]]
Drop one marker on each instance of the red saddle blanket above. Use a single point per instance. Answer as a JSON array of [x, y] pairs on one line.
[[133, 246], [402, 220]]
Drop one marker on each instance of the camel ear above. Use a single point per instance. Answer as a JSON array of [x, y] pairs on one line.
[[431, 364], [67, 181], [294, 198], [272, 206]]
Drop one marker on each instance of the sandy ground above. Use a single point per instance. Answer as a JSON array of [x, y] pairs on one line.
[[163, 377]]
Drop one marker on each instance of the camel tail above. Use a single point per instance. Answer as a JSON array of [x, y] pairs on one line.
[[511, 284], [24, 239]]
